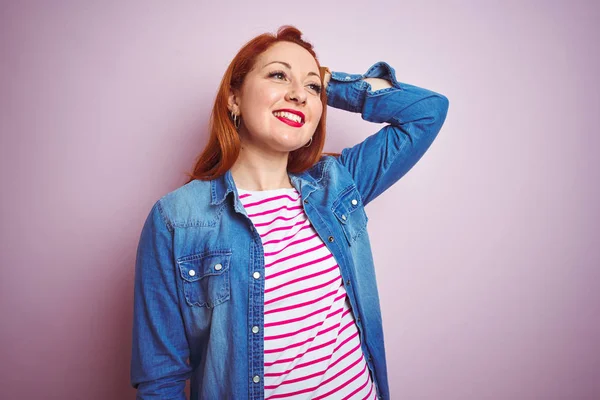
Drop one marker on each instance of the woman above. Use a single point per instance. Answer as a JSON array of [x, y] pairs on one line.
[[255, 279]]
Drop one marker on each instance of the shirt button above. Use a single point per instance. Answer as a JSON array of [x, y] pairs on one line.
[[256, 275], [192, 272], [255, 329], [218, 267], [347, 78], [330, 238], [354, 202], [358, 320], [344, 217], [305, 201], [348, 282], [256, 379]]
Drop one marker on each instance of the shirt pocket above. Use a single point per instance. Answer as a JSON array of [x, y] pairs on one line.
[[205, 278], [349, 211]]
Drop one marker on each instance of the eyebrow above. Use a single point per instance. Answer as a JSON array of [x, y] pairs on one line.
[[290, 67]]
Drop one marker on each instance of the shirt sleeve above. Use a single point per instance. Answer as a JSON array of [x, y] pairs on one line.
[[415, 116], [159, 367]]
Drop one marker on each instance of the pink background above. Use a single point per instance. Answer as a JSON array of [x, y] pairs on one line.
[[487, 252]]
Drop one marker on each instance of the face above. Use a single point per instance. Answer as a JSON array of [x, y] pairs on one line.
[[279, 101]]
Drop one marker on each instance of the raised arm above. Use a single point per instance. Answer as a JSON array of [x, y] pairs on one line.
[[415, 116]]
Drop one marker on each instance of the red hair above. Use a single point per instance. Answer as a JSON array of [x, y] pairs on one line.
[[224, 144]]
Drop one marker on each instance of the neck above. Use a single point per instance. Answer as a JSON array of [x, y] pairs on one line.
[[259, 171]]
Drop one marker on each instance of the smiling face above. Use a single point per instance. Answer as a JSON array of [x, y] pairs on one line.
[[279, 101]]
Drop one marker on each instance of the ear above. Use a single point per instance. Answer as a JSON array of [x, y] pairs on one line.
[[233, 102]]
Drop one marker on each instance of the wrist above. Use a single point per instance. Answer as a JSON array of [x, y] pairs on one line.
[[378, 83]]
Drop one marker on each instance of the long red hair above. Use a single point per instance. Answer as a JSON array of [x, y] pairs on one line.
[[224, 144]]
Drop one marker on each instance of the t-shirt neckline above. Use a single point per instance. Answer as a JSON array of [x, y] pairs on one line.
[[266, 192]]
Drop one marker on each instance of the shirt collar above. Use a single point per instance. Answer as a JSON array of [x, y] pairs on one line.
[[220, 187]]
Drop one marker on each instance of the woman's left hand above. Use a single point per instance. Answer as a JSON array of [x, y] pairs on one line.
[[325, 76]]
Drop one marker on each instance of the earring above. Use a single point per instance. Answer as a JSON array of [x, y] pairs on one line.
[[236, 120], [309, 142]]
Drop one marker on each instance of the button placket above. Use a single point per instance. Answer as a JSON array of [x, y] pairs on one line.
[[255, 310]]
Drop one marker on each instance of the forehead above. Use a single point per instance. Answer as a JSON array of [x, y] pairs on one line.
[[291, 53]]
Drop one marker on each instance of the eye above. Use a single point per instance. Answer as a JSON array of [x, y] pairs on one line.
[[277, 74], [315, 87]]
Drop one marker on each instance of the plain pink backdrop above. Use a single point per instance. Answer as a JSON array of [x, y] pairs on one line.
[[487, 252]]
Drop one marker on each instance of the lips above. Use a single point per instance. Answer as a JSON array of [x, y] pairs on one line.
[[291, 117], [290, 122]]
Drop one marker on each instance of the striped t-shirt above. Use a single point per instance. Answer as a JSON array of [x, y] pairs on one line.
[[311, 341]]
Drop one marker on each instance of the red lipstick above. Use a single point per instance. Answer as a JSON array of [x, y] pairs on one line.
[[298, 113], [290, 122]]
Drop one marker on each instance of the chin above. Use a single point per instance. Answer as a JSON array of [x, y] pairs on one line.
[[290, 144], [286, 148]]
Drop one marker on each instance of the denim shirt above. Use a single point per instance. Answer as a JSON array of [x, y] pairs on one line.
[[197, 295]]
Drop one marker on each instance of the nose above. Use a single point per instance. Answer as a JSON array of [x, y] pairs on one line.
[[296, 93]]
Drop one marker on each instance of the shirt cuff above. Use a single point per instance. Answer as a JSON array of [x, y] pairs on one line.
[[349, 91]]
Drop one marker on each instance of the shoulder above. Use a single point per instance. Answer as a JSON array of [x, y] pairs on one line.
[[320, 169], [184, 205], [329, 170]]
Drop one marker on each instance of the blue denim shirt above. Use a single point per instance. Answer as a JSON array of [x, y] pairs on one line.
[[196, 298]]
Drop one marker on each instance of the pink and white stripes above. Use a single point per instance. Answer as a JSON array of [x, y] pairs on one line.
[[311, 342]]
